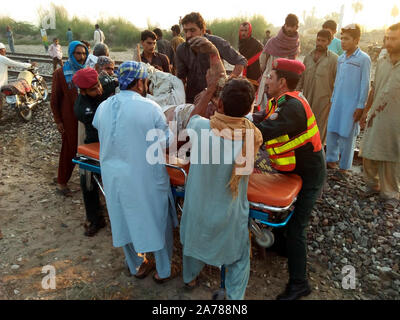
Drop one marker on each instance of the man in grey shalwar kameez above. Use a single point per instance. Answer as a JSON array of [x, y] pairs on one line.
[[138, 193]]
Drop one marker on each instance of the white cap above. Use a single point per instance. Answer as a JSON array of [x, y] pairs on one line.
[[2, 46]]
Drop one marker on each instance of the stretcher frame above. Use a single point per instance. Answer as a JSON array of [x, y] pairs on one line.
[[258, 212]]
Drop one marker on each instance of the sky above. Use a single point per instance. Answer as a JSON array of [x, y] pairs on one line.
[[375, 14]]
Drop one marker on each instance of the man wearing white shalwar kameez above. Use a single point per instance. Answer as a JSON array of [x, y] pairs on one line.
[[138, 193]]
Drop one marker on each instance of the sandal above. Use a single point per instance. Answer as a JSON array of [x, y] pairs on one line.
[[391, 204], [368, 192], [145, 268], [160, 280], [331, 165], [192, 284], [339, 176], [66, 192]]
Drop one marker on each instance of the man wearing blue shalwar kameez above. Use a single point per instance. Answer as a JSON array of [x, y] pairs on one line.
[[348, 101], [138, 193]]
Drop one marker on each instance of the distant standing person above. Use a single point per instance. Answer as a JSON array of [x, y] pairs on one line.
[[336, 44], [45, 41], [251, 49], [318, 80], [98, 36], [10, 39], [348, 102], [286, 44], [55, 53], [175, 42], [70, 36], [163, 45], [192, 67], [177, 38], [149, 54], [267, 37]]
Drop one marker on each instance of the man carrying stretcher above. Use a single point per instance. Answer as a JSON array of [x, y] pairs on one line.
[[214, 224], [292, 140]]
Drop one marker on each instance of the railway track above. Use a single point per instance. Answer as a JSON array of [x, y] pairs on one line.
[[40, 58]]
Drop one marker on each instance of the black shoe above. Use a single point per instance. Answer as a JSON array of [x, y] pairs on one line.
[[93, 228], [295, 290]]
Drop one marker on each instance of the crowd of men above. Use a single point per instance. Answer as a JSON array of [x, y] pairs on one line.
[[304, 115]]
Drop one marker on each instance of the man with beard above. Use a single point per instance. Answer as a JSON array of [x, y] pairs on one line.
[[138, 193], [380, 146], [192, 67], [164, 46], [251, 49], [63, 96], [285, 44], [92, 91], [318, 79]]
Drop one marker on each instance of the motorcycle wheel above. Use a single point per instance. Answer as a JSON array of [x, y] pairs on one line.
[[24, 113]]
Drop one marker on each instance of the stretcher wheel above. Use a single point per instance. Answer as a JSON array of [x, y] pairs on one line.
[[265, 239]]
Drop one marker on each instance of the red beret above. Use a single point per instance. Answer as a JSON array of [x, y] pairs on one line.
[[294, 66], [85, 78]]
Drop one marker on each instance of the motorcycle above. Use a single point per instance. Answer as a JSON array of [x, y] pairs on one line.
[[27, 92]]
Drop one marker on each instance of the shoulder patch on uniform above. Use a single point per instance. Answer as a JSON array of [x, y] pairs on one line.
[[274, 116]]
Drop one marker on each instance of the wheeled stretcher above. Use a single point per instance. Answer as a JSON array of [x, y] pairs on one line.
[[271, 196]]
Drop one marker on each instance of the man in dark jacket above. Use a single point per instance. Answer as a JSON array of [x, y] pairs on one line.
[[192, 67], [93, 91]]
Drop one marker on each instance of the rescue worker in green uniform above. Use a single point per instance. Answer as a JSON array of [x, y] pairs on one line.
[[292, 140]]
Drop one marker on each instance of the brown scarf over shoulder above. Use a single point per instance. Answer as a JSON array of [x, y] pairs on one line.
[[219, 122]]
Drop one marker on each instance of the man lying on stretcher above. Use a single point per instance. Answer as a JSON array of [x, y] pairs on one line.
[[206, 102]]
